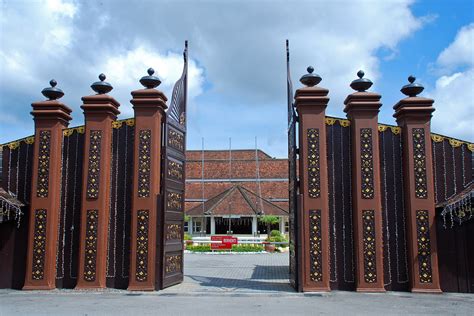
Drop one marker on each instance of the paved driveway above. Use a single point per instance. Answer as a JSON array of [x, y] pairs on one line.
[[231, 285], [234, 273]]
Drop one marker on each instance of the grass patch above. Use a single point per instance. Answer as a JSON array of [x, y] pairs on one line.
[[199, 248], [247, 248], [235, 248]]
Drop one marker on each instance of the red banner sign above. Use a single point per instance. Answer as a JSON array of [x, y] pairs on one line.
[[226, 242]]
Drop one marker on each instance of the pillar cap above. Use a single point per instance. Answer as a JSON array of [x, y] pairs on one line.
[[100, 103], [311, 94], [413, 105], [362, 102], [416, 108], [51, 110], [149, 98], [361, 99], [52, 93], [359, 102]]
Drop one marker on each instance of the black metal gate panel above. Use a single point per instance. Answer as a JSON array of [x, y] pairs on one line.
[[173, 186], [293, 180]]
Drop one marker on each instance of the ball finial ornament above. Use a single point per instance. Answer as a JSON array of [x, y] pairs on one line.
[[52, 93], [362, 84], [101, 87], [150, 81], [310, 79], [412, 89]]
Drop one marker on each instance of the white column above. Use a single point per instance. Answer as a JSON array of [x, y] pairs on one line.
[[204, 224], [254, 225], [190, 225], [282, 225], [213, 225]]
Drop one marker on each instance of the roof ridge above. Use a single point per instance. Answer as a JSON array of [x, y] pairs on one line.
[[246, 198], [227, 193], [265, 200], [214, 200]]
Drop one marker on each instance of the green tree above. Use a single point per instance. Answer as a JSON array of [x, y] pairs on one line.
[[269, 220]]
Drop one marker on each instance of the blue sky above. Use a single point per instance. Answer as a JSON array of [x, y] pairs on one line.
[[237, 84]]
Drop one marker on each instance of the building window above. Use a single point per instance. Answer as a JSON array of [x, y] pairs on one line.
[[197, 226]]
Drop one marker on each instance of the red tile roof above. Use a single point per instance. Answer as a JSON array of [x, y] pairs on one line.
[[237, 200]]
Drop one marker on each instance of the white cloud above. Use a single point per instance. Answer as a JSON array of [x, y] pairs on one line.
[[61, 8], [33, 36], [124, 70], [460, 52], [454, 91], [454, 103]]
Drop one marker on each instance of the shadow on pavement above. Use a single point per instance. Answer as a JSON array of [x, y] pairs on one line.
[[271, 272], [236, 284]]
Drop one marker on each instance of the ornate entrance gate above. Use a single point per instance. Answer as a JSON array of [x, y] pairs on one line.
[[105, 201]]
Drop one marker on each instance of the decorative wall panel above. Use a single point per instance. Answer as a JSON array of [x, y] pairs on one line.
[[315, 246], [367, 164], [144, 163], [369, 246], [424, 246], [42, 186], [419, 163], [90, 259], [314, 185], [93, 171], [141, 273], [39, 244]]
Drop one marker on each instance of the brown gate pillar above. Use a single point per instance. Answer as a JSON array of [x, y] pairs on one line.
[[362, 110], [149, 105], [311, 102], [413, 115], [100, 111], [50, 117]]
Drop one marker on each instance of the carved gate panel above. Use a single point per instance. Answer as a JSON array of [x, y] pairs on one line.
[[293, 181], [171, 230]]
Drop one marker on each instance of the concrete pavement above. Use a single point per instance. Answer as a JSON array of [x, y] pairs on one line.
[[231, 285]]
